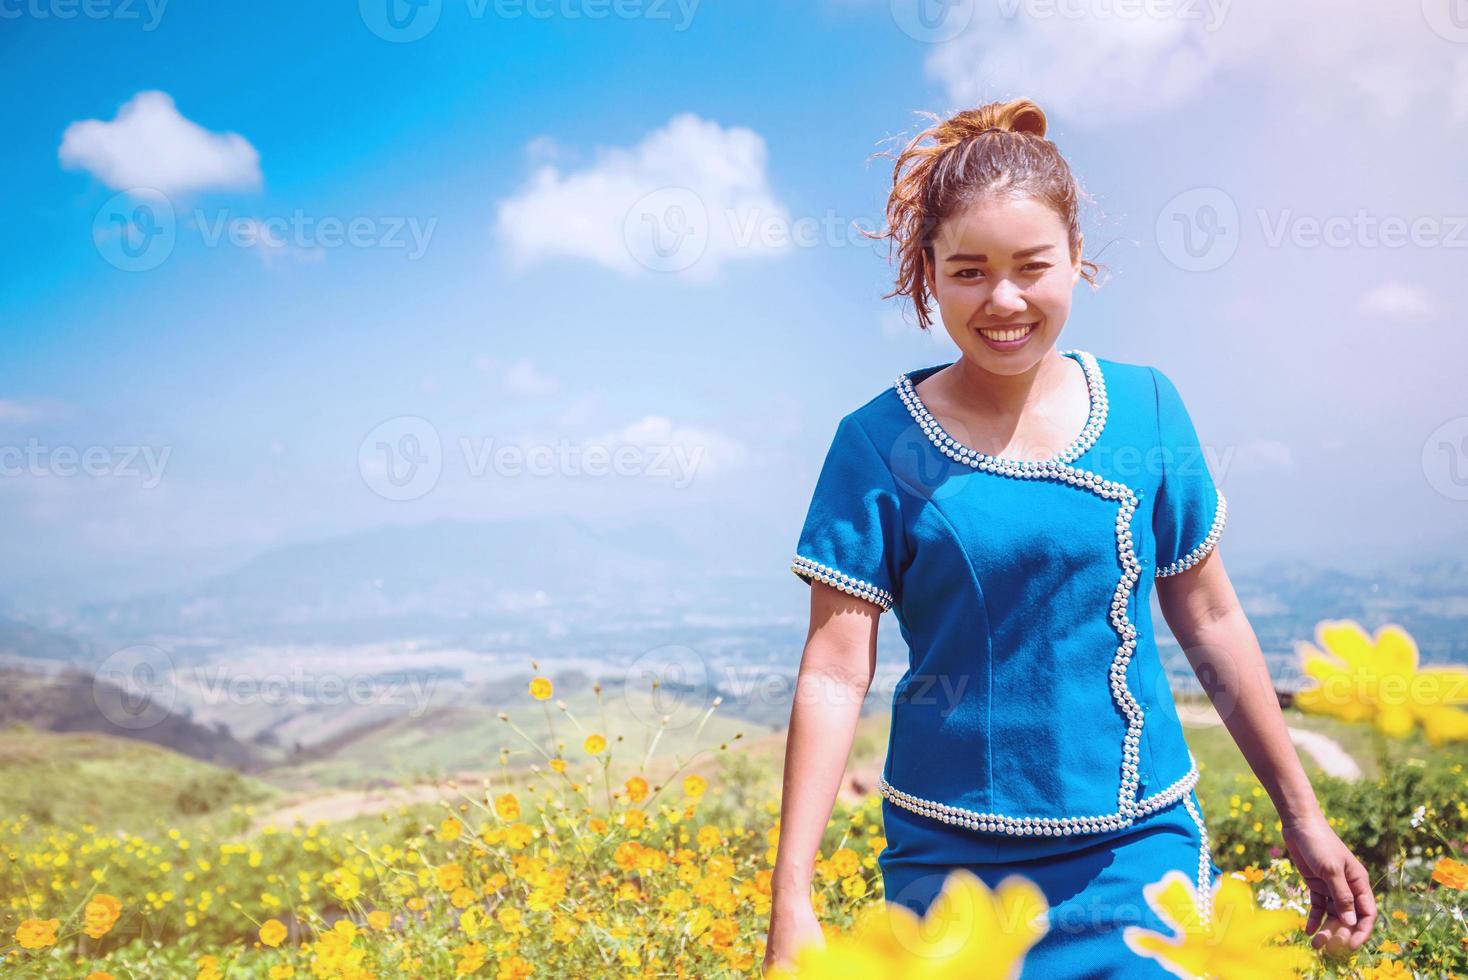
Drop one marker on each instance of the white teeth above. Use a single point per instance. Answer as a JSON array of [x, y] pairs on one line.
[[1011, 333]]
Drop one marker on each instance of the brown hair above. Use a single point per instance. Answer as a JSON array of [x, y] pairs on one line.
[[997, 148]]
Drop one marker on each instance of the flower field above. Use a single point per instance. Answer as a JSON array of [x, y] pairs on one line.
[[584, 856]]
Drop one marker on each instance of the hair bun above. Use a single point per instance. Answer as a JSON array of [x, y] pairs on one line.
[[1016, 116]]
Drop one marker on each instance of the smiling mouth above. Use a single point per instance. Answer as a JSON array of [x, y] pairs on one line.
[[1014, 332]]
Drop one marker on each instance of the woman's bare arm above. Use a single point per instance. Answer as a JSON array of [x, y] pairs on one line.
[[1205, 615], [835, 674]]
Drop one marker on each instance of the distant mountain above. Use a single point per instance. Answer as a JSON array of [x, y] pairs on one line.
[[19, 639], [401, 580], [75, 701]]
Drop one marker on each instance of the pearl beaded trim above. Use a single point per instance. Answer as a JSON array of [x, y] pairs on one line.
[[1205, 868], [1220, 515], [1128, 807], [1045, 826], [1095, 420], [808, 569]]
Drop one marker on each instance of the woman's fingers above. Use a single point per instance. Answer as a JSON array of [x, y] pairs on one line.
[[1360, 882]]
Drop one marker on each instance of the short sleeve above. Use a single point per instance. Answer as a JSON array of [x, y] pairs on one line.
[[853, 529], [1190, 510]]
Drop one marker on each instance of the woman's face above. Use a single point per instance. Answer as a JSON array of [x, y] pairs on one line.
[[1004, 263]]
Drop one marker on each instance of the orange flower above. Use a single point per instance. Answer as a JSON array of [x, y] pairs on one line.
[[1450, 873], [637, 789], [101, 915], [36, 933]]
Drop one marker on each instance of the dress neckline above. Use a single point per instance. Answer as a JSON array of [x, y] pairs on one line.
[[906, 386]]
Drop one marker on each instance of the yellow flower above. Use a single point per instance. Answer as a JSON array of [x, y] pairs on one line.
[[845, 862], [541, 688], [1239, 933], [101, 915], [379, 919], [969, 931], [471, 957], [695, 785], [450, 829], [36, 933], [1450, 873], [558, 764], [1390, 970], [637, 789], [449, 876], [1378, 680], [514, 968], [99, 975], [507, 806], [462, 897], [1389, 947], [595, 744], [272, 932], [854, 887]]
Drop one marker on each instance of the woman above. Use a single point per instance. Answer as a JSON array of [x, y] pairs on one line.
[[1013, 508]]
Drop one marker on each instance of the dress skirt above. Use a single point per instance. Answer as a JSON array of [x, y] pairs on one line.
[[1093, 882]]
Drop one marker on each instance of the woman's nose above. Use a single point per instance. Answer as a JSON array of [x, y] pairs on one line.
[[1005, 298]]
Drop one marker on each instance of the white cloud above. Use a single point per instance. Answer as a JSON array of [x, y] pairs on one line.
[[1094, 64], [14, 411], [686, 199], [150, 144], [702, 450], [1396, 301], [519, 377]]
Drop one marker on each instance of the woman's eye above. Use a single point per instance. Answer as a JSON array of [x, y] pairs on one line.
[[964, 273], [1038, 266]]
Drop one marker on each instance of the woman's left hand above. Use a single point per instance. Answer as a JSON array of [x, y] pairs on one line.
[[1340, 888]]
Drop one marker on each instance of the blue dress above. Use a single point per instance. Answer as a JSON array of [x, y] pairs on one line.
[[1034, 731]]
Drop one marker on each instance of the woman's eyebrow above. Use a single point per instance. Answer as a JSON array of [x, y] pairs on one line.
[[1023, 253]]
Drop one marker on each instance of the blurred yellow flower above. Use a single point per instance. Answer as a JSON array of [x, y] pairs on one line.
[[272, 932], [694, 785], [1378, 680], [541, 689], [1239, 933], [595, 744], [449, 876], [36, 933], [101, 915], [450, 829], [558, 764], [637, 789], [507, 806], [379, 919], [969, 931]]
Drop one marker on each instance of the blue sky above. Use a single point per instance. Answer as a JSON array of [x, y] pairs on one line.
[[490, 165]]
